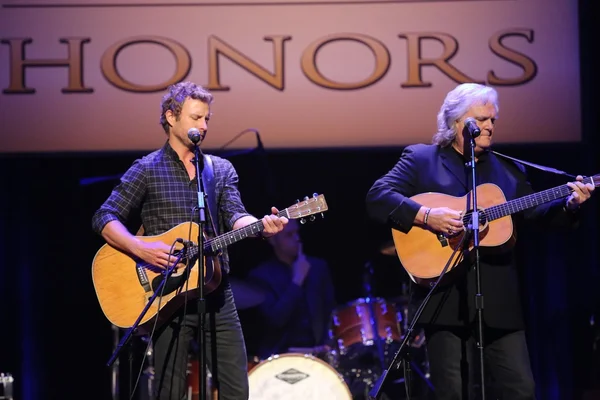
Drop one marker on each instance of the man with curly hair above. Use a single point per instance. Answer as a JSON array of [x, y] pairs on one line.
[[161, 188]]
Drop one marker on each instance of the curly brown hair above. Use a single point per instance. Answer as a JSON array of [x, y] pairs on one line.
[[176, 95]]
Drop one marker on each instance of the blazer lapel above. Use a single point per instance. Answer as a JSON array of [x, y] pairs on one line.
[[449, 161]]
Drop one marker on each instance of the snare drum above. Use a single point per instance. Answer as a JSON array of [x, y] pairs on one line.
[[295, 376], [352, 324]]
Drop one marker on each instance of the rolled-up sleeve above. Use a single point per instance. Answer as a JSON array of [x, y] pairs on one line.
[[231, 206], [124, 198]]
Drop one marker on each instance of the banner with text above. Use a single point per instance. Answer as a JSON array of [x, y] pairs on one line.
[[88, 75]]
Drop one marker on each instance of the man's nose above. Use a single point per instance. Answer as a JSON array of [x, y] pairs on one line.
[[488, 124]]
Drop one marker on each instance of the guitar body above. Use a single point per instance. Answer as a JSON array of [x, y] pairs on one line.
[[424, 253], [119, 282], [124, 286]]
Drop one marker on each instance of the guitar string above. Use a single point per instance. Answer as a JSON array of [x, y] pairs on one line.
[[137, 381], [243, 232], [221, 242], [510, 207]]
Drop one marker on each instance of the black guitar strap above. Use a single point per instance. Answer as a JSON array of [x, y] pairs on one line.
[[208, 180], [541, 167]]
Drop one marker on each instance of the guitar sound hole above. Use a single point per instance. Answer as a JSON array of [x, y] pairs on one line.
[[482, 218], [466, 219], [174, 282]]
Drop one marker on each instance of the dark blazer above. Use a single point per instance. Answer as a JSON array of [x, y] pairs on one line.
[[283, 297], [431, 168]]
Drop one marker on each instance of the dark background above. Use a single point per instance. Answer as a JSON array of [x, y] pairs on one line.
[[56, 341]]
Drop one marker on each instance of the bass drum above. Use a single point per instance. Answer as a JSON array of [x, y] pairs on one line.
[[295, 376]]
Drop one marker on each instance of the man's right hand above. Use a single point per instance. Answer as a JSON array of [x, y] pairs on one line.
[[445, 220], [300, 267], [155, 253]]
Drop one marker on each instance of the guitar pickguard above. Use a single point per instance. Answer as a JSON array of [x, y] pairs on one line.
[[177, 278]]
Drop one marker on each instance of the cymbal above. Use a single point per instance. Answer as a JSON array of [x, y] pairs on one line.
[[246, 294], [388, 248]]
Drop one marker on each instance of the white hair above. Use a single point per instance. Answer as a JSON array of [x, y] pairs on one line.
[[457, 103]]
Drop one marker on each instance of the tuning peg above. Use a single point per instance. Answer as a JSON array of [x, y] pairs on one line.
[[302, 221], [312, 218], [315, 195], [322, 215], [305, 198]]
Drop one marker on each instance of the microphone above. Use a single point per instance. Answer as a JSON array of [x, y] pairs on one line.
[[194, 135], [472, 127]]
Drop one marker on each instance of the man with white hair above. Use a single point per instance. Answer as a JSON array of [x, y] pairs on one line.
[[449, 319]]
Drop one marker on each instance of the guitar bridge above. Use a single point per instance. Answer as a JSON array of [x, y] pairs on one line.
[[143, 278]]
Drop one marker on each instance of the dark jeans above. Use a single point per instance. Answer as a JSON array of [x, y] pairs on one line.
[[454, 364], [223, 329]]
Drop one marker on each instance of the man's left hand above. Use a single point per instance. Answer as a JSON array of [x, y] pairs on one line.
[[273, 223], [581, 192]]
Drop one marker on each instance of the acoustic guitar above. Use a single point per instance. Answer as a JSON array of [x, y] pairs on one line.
[[424, 253], [124, 285]]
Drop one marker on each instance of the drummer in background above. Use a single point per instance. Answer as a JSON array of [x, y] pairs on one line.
[[299, 298]]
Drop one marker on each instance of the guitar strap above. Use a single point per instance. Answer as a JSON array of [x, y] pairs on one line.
[[541, 167], [208, 180]]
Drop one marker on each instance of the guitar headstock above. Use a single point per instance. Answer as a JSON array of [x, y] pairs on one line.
[[594, 180], [307, 207]]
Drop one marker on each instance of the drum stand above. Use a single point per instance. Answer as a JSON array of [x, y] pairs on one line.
[[402, 356], [367, 279]]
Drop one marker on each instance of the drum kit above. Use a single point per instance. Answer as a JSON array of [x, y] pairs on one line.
[[368, 333], [365, 334]]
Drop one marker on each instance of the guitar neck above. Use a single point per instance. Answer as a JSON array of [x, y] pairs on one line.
[[229, 238], [302, 209], [530, 201]]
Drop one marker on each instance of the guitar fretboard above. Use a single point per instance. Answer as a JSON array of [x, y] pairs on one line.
[[302, 209], [222, 241], [530, 201]]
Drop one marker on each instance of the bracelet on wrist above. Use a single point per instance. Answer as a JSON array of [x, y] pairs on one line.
[[426, 218]]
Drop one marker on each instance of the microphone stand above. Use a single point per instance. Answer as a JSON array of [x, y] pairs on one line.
[[157, 292], [402, 352], [473, 229], [199, 164]]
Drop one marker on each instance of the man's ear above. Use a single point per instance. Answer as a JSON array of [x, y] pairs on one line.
[[170, 117]]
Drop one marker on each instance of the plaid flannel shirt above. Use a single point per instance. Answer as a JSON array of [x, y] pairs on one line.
[[158, 187]]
